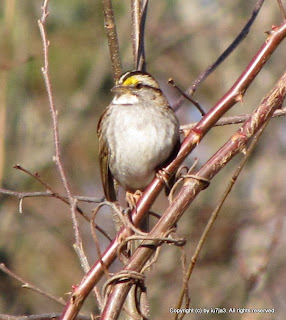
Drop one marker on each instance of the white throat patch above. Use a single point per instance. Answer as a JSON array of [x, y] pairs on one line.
[[125, 99]]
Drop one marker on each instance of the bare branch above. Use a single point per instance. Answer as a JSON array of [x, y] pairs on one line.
[[243, 33], [53, 194], [28, 285], [135, 14], [232, 120], [44, 316], [254, 278], [282, 9], [57, 157], [110, 29], [54, 112], [139, 13], [22, 195], [187, 97]]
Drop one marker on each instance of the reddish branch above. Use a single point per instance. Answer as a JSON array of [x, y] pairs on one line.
[[189, 190]]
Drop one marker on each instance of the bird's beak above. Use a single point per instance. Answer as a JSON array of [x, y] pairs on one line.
[[119, 89]]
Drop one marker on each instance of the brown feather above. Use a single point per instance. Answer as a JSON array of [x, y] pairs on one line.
[[106, 176]]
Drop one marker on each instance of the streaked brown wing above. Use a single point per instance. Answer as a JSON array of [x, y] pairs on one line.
[[106, 176]]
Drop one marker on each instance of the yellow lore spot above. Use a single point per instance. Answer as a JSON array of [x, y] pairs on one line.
[[130, 81]]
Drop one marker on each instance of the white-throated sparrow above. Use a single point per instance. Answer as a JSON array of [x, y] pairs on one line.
[[138, 133]]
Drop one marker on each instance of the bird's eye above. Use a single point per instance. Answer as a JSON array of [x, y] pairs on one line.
[[138, 85]]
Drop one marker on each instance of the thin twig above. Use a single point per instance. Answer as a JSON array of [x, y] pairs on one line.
[[139, 14], [35, 175], [28, 285], [54, 114], [232, 120], [253, 278], [187, 97], [49, 193], [89, 199], [52, 194], [243, 33], [282, 9], [110, 29], [43, 316], [48, 187], [22, 195], [135, 16]]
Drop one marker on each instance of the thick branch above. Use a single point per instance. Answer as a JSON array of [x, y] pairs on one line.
[[192, 188]]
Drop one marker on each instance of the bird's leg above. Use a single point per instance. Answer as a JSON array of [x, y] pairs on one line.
[[132, 198]]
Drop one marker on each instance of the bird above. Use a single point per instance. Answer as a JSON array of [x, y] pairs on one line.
[[138, 134]]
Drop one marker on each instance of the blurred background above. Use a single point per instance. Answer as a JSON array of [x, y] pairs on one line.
[[182, 39]]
